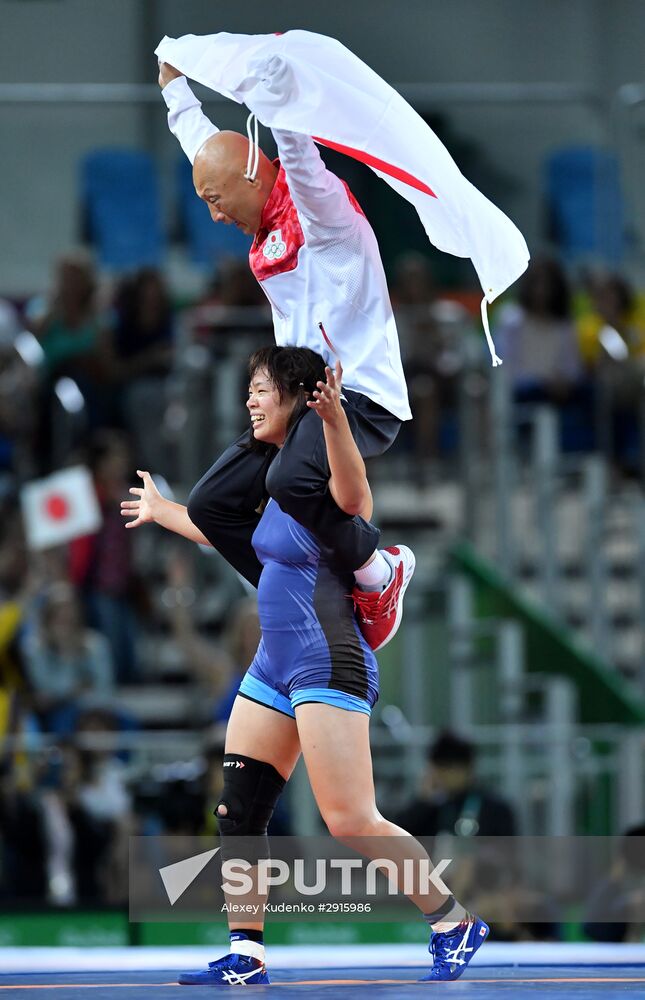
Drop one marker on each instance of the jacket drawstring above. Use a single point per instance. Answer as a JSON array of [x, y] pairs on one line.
[[489, 340], [254, 149]]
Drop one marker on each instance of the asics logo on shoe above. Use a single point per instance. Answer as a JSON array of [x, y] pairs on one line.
[[234, 978], [456, 956]]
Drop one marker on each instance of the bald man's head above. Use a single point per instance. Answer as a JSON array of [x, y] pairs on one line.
[[218, 176]]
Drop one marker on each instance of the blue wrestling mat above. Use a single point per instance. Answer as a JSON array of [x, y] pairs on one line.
[[508, 972]]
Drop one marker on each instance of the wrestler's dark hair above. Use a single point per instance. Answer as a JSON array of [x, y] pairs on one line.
[[291, 369], [294, 371]]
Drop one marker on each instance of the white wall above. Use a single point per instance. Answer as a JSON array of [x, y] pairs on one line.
[[593, 42]]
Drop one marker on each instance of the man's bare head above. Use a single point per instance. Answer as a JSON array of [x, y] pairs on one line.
[[218, 176]]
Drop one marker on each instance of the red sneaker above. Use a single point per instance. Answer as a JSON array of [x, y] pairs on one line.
[[379, 612]]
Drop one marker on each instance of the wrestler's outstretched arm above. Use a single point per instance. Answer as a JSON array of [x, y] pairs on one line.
[[348, 480], [151, 507]]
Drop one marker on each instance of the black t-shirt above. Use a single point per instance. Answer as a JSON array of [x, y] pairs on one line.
[[471, 812]]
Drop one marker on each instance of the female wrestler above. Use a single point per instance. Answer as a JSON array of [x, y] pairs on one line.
[[312, 684]]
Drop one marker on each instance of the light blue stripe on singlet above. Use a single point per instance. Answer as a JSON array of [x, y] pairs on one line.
[[259, 691], [328, 696], [266, 695]]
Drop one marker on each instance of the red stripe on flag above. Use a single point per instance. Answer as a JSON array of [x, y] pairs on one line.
[[373, 161]]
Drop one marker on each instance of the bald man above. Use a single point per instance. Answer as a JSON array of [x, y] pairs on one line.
[[317, 260]]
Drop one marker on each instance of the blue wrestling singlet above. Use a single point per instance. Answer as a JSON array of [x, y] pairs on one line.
[[311, 647]]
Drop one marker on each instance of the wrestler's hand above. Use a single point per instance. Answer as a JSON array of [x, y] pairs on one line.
[[142, 509], [167, 73], [326, 401]]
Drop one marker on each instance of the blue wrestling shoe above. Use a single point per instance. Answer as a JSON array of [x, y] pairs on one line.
[[232, 970], [452, 950]]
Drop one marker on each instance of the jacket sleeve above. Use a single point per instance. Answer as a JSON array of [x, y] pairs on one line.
[[186, 119], [319, 196]]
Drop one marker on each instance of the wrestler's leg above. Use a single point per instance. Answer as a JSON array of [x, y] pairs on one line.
[[266, 742], [330, 737]]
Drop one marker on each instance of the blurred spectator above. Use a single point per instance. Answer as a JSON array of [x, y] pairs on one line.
[[612, 339], [102, 564], [102, 813], [23, 873], [68, 324], [65, 662], [234, 285], [9, 323], [537, 337], [13, 596], [65, 829], [492, 884], [234, 304], [431, 358], [25, 580], [615, 910], [612, 303], [242, 639], [450, 799], [213, 783], [18, 399], [143, 341], [75, 340], [219, 668], [537, 340]]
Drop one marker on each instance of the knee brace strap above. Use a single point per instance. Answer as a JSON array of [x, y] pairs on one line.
[[251, 791]]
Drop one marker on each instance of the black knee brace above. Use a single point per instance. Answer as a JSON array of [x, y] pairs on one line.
[[251, 791]]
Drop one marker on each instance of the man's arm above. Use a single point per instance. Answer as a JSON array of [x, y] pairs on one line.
[[319, 196], [186, 119]]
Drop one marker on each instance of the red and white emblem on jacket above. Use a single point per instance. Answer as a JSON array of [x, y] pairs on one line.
[[274, 247], [280, 237]]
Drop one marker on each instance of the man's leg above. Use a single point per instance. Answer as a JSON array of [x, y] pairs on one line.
[[299, 480], [225, 504]]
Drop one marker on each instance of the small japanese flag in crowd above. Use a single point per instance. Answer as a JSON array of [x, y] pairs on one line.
[[60, 508]]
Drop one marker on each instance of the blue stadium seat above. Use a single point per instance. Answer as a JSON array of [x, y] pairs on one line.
[[585, 204], [208, 243], [120, 192]]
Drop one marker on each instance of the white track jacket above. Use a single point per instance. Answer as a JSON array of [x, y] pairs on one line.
[[316, 255]]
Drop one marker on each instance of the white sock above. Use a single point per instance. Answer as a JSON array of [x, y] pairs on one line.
[[376, 575], [252, 949], [451, 919]]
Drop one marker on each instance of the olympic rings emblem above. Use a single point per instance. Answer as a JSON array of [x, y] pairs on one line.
[[274, 247]]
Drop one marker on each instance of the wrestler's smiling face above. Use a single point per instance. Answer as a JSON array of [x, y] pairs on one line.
[[269, 414]]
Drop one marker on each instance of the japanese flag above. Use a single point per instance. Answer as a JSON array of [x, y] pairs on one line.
[[60, 508], [304, 82]]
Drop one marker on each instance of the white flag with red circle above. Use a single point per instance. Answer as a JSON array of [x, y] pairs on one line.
[[304, 82], [60, 508]]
